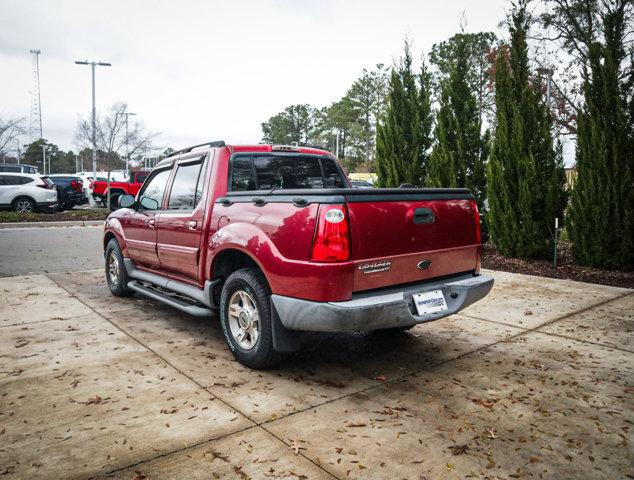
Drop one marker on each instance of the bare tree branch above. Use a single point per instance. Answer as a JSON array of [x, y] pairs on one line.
[[10, 130]]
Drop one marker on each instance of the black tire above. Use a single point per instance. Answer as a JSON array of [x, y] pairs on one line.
[[116, 283], [114, 201], [23, 205], [261, 354]]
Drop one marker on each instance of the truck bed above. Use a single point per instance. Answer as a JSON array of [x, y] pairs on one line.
[[397, 235]]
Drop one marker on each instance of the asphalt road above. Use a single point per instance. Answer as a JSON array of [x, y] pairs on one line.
[[49, 249]]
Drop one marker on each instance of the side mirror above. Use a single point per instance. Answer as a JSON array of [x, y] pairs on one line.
[[126, 201], [148, 203]]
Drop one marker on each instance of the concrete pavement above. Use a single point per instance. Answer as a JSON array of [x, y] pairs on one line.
[[535, 381]]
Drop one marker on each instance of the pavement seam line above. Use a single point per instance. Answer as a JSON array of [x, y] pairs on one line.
[[556, 319], [458, 357], [255, 424], [370, 387], [128, 334]]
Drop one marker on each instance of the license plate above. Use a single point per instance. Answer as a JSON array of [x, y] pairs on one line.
[[430, 302]]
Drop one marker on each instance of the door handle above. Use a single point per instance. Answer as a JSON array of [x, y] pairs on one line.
[[192, 224], [151, 222], [423, 215]]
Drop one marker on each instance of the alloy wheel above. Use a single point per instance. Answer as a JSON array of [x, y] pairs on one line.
[[244, 319], [113, 268], [23, 206]]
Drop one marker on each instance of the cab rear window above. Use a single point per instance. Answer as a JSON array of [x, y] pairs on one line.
[[275, 172]]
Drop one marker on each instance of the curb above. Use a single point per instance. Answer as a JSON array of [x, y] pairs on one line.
[[69, 223]]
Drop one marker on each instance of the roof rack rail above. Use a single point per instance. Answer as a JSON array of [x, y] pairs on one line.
[[215, 143]]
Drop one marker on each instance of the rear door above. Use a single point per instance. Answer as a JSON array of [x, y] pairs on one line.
[[180, 226], [407, 236], [139, 225], [8, 189]]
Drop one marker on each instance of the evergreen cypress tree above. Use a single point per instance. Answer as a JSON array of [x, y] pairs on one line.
[[403, 134], [459, 155], [525, 174], [602, 207]]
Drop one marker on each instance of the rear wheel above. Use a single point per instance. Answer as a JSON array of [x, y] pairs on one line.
[[24, 205], [115, 270], [245, 316]]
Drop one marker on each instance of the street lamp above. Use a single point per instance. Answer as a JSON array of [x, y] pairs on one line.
[[94, 114], [127, 153], [549, 72], [549, 78]]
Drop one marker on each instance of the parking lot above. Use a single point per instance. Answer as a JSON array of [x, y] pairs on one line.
[[534, 381]]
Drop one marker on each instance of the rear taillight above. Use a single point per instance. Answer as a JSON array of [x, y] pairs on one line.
[[476, 220], [331, 242], [46, 183]]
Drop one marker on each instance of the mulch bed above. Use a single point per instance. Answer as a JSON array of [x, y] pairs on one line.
[[68, 215], [566, 268]]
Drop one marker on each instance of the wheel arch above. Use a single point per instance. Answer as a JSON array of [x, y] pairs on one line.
[[28, 197], [115, 230], [227, 261]]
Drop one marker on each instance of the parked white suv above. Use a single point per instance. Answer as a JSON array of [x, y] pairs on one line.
[[25, 192]]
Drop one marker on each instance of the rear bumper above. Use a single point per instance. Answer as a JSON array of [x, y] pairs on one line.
[[76, 198], [386, 308], [46, 207]]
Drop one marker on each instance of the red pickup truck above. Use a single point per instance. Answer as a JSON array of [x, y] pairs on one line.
[[130, 187], [276, 240]]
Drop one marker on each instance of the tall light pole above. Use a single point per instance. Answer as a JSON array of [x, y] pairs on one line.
[[127, 153], [549, 72], [549, 78], [94, 114]]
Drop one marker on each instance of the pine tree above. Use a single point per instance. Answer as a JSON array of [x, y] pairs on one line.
[[404, 133], [525, 174], [602, 207], [459, 155]]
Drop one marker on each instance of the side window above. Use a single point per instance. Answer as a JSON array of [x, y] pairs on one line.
[[24, 180], [156, 186], [11, 180], [3, 180], [184, 194], [332, 176], [242, 177]]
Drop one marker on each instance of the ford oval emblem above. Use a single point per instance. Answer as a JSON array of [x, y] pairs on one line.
[[424, 264]]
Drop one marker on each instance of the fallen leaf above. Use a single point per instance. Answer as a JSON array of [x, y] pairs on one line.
[[458, 449], [92, 401]]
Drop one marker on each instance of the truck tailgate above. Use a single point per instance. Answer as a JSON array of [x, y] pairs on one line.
[[402, 236]]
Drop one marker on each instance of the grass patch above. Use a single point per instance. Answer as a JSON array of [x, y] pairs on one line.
[[70, 215]]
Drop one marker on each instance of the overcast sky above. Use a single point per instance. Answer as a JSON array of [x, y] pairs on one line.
[[203, 70]]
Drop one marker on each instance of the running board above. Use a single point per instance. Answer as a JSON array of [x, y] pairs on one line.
[[169, 300], [201, 296]]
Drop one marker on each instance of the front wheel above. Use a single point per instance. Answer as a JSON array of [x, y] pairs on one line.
[[114, 201], [115, 270], [245, 316]]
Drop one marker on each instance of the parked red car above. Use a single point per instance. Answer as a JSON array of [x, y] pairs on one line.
[[131, 187], [276, 240]]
